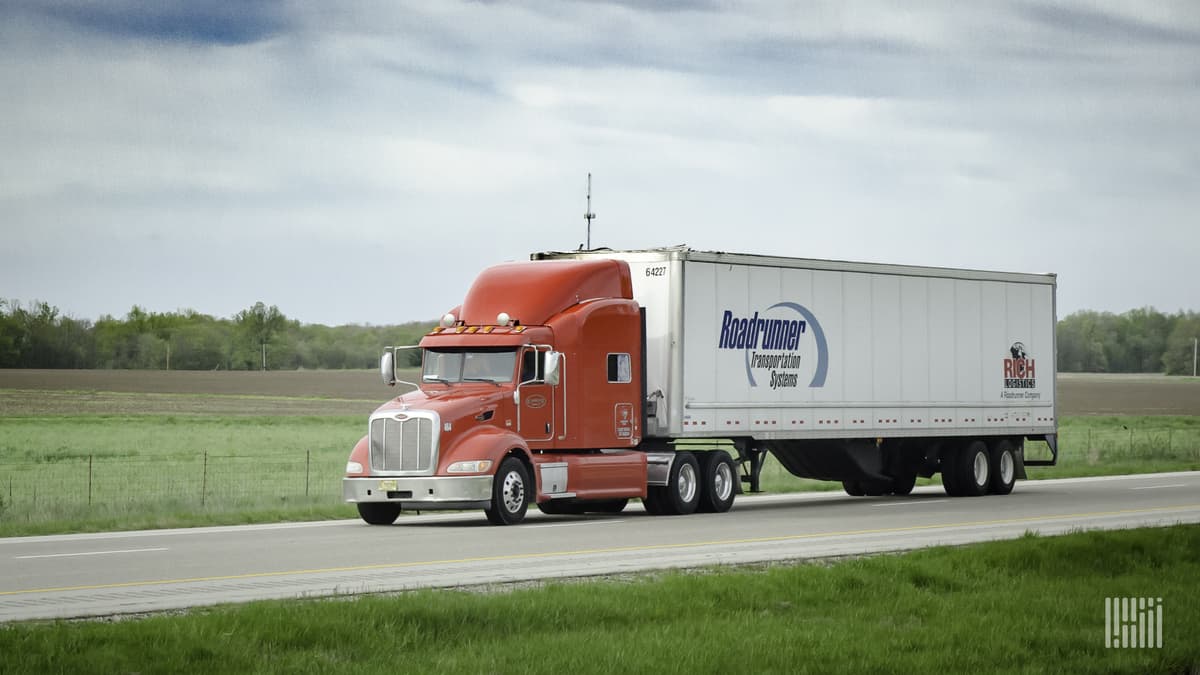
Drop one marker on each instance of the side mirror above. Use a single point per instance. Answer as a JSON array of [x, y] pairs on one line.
[[553, 368], [387, 368]]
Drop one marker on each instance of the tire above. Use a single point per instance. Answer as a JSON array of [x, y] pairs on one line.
[[718, 479], [1003, 468], [876, 488], [904, 484], [852, 488], [510, 493], [378, 513], [682, 495], [974, 469]]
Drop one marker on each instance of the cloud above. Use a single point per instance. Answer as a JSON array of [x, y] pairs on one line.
[[198, 21], [320, 156]]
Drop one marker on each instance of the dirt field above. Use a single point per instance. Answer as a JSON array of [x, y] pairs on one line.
[[358, 392]]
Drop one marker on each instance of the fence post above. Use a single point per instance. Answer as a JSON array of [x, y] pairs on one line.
[[204, 479], [307, 469], [90, 481]]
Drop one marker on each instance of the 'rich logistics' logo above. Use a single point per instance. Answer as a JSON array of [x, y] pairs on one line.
[[772, 344], [1019, 371]]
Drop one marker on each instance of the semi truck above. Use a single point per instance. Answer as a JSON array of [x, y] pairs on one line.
[[577, 381]]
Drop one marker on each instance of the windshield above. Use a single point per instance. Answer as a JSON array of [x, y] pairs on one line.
[[447, 366]]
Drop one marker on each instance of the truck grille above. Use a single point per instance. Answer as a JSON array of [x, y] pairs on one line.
[[402, 445]]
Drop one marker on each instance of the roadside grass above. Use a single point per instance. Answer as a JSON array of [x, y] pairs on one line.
[[76, 472], [94, 473], [1034, 604]]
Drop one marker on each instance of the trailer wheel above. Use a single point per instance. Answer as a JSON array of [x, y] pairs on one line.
[[1003, 468], [510, 498], [903, 485], [683, 486], [852, 488], [717, 481], [974, 469], [378, 513]]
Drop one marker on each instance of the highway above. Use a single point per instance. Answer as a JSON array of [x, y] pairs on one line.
[[68, 576]]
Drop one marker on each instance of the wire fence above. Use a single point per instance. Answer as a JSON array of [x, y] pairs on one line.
[[1094, 446], [65, 488], [69, 487]]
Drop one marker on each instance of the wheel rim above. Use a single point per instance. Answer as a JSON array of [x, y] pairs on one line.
[[687, 483], [513, 492], [1007, 467], [981, 468], [723, 482]]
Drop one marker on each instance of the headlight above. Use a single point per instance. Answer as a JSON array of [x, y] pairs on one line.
[[353, 467], [474, 466]]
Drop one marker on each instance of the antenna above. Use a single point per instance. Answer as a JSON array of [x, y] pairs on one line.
[[589, 216]]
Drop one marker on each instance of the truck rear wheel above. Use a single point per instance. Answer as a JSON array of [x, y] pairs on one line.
[[510, 496], [974, 469], [682, 494], [1003, 468], [378, 513], [853, 488], [717, 480]]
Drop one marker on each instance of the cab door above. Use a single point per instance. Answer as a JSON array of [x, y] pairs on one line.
[[537, 409]]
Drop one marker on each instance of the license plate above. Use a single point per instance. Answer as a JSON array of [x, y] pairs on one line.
[[387, 485]]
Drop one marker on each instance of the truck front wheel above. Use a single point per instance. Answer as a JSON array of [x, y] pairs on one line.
[[510, 493], [378, 513]]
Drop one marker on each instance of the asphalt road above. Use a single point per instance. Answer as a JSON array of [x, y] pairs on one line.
[[83, 575]]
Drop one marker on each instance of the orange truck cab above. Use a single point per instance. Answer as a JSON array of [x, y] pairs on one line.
[[531, 392]]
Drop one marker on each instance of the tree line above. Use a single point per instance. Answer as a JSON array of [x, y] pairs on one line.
[[39, 336]]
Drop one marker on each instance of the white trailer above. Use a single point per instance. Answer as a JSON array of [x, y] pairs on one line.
[[865, 373]]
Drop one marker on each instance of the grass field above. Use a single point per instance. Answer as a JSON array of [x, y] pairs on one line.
[[1032, 605], [99, 450]]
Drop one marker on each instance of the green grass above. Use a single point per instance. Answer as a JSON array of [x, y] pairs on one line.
[[88, 473], [1032, 605], [99, 472]]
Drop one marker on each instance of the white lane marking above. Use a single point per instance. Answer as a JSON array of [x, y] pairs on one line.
[[911, 502], [72, 555], [584, 522], [1156, 487]]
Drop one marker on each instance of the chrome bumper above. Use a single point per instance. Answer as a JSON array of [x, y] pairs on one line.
[[426, 492]]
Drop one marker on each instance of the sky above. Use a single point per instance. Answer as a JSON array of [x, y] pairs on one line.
[[360, 161]]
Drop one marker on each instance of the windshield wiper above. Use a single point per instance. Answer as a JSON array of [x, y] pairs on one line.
[[436, 379], [481, 379]]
